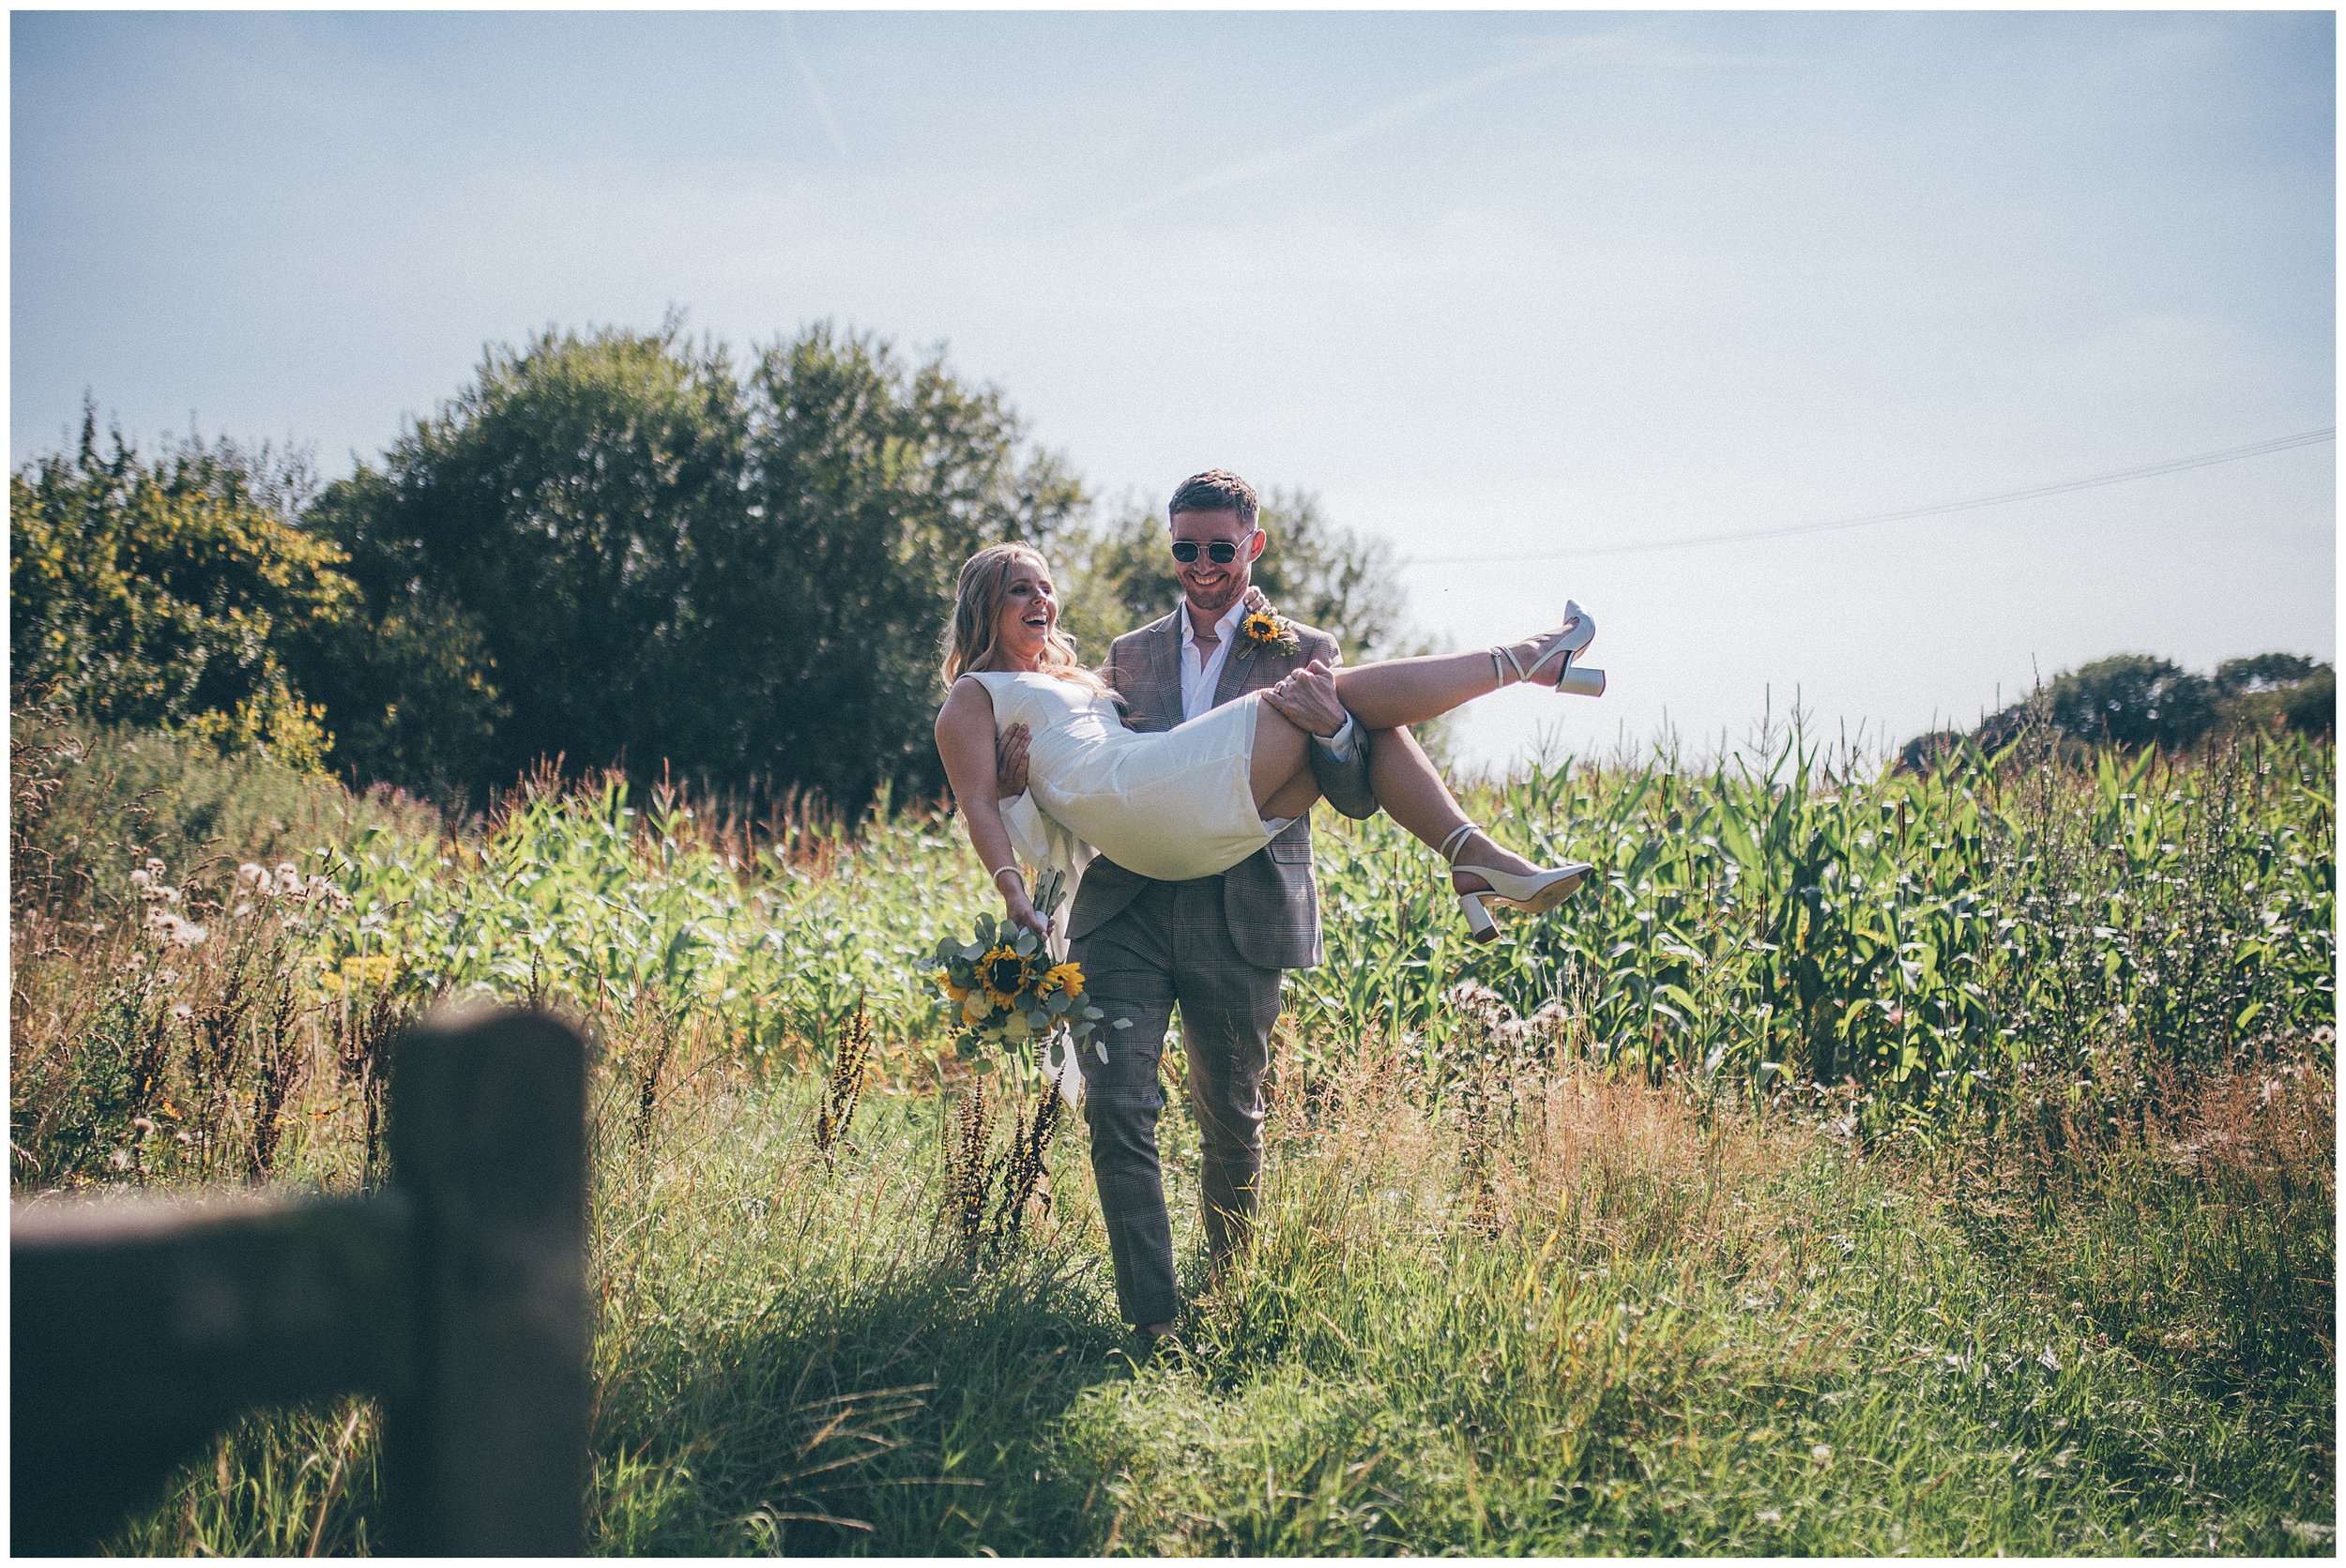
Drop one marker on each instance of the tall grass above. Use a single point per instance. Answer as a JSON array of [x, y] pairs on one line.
[[1647, 1329]]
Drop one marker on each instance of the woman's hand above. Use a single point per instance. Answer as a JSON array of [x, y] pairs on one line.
[[1020, 908]]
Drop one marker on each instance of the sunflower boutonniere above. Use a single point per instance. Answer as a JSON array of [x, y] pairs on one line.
[[1264, 627]]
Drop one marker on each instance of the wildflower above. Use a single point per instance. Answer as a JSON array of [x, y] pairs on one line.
[[141, 877], [142, 1124], [1820, 1452], [183, 1011], [253, 875], [119, 1159]]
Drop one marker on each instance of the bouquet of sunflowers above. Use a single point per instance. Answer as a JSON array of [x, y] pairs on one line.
[[1007, 991]]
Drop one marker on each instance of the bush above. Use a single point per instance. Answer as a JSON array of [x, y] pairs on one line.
[[165, 593]]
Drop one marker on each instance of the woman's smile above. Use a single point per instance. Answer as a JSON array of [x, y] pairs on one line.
[[1030, 612]]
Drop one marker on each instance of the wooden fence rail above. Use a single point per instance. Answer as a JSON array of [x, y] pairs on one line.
[[456, 1295]]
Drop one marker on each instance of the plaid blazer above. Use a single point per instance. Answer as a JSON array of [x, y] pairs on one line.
[[1269, 898]]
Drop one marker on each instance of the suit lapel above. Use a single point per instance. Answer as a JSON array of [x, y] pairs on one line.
[[1236, 669], [1164, 672]]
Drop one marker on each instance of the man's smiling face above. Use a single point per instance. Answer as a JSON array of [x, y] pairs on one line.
[[1212, 587]]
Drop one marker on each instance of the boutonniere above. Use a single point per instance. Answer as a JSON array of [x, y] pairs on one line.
[[1265, 628]]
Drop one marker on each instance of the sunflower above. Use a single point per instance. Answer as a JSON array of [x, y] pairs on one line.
[[1003, 973], [1264, 627], [1068, 977]]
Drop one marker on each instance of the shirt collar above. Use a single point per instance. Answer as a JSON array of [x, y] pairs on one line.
[[1222, 627]]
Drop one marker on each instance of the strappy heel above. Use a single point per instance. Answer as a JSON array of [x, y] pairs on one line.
[[1536, 893], [1578, 680]]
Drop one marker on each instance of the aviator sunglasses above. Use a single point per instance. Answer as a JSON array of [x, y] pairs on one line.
[[1221, 552]]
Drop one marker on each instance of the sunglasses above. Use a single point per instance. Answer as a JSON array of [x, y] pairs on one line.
[[1221, 552]]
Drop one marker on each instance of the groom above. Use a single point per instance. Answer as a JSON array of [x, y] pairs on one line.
[[1215, 946]]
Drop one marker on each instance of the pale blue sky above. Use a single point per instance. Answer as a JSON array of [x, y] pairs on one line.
[[1485, 283]]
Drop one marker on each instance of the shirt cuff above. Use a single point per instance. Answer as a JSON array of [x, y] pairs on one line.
[[1340, 744]]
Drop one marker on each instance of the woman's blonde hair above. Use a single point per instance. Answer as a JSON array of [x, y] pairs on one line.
[[978, 610]]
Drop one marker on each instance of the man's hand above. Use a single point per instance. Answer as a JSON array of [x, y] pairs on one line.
[[1308, 699], [1010, 762]]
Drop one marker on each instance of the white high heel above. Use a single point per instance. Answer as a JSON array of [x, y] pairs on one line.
[[1578, 680], [1535, 894]]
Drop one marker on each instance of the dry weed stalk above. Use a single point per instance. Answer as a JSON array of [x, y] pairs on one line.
[[1027, 1169], [970, 1171], [282, 1055], [663, 1025], [363, 1040], [835, 1111]]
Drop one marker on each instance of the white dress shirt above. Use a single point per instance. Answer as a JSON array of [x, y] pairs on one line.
[[1201, 672]]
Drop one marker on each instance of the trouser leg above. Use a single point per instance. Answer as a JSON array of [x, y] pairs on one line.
[[1127, 970], [1228, 1006]]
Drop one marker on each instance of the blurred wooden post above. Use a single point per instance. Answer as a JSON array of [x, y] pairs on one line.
[[486, 1452], [140, 1329]]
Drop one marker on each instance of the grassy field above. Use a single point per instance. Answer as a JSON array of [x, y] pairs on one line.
[[1564, 1247]]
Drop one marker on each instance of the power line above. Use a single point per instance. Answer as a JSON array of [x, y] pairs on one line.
[[2057, 487]]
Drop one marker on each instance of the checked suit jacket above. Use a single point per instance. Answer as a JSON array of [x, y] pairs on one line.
[[1269, 899]]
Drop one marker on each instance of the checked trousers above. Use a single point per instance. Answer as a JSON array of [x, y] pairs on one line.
[[1171, 945]]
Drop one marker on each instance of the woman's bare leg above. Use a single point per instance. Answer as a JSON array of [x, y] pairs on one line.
[[1399, 692], [1279, 771], [1407, 785], [1413, 795]]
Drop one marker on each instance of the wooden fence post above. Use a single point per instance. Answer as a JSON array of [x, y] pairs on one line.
[[140, 1329], [486, 1452]]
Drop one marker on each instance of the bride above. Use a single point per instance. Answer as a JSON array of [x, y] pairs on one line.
[[1197, 799]]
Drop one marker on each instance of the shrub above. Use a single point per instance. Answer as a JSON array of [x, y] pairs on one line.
[[164, 593]]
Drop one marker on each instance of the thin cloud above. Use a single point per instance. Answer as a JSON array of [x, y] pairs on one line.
[[814, 88], [1286, 160]]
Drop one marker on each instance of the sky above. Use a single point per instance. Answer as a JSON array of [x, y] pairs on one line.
[[1492, 285]]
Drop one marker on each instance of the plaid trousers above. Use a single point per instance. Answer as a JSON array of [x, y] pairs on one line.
[[1172, 944]]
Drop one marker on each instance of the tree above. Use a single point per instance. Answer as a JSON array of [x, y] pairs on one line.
[[2278, 691], [612, 549], [168, 593], [825, 599], [527, 560], [2132, 699]]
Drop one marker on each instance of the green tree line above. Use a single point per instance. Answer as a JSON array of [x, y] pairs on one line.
[[611, 548], [2137, 700]]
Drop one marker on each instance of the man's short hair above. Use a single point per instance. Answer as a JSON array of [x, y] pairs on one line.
[[1215, 490]]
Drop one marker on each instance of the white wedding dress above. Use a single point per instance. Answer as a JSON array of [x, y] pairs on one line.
[[1172, 805]]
